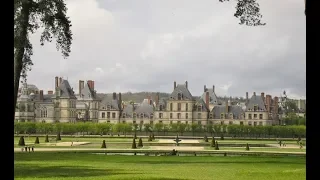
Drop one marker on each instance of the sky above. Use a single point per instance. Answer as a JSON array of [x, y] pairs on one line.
[[146, 45]]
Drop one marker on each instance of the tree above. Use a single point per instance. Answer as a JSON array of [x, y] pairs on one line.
[[216, 146], [158, 127], [29, 15], [58, 137], [205, 138], [21, 141], [134, 146], [104, 144], [247, 147], [135, 135], [222, 137], [153, 138], [213, 142], [140, 142], [47, 138], [150, 138], [37, 140]]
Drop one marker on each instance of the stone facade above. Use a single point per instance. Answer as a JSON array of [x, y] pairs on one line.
[[180, 107]]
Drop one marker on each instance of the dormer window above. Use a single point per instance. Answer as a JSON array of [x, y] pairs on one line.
[[179, 96], [221, 116], [108, 107], [231, 116], [141, 115], [123, 115], [255, 108], [211, 116], [199, 108], [134, 115], [160, 107]]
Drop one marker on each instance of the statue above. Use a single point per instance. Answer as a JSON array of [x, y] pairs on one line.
[[177, 140]]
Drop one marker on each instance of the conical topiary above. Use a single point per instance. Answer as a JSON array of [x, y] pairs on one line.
[[21, 141], [47, 138], [213, 142], [103, 144], [217, 146], [140, 143], [153, 138], [150, 138], [135, 136], [247, 147], [37, 140], [205, 138], [58, 137], [134, 146], [222, 137]]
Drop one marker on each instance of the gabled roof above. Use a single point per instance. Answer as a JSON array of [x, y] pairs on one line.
[[109, 101], [234, 109], [213, 97], [255, 100], [129, 109], [181, 88], [87, 93], [65, 90], [199, 101], [144, 108]]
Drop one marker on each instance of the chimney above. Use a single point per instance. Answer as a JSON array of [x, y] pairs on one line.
[[227, 107], [207, 99], [114, 96], [80, 87], [149, 99], [56, 81], [204, 88], [247, 97], [187, 84], [41, 95], [91, 84], [60, 80], [213, 88], [120, 101], [157, 98], [174, 85], [50, 92], [254, 93], [275, 107], [262, 96], [268, 100]]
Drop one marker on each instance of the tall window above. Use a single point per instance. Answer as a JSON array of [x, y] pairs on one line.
[[161, 107], [103, 115], [260, 116], [171, 107], [199, 115], [151, 116], [179, 115], [179, 106], [123, 115], [199, 108], [250, 116], [186, 115], [186, 106], [160, 115], [44, 112], [108, 114], [170, 115]]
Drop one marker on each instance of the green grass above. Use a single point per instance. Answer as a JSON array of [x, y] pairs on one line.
[[259, 149], [249, 141], [76, 166]]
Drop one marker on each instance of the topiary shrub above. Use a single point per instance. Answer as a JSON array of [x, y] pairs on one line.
[[247, 147], [222, 137], [217, 146], [153, 138], [140, 143], [213, 142], [150, 138], [135, 136], [205, 138], [134, 146], [47, 138], [37, 140], [21, 141], [103, 144], [58, 137]]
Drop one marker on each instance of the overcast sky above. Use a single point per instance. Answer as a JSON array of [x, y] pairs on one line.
[[145, 45]]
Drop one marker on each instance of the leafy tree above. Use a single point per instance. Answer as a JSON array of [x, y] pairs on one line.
[[47, 138], [174, 127], [140, 142], [17, 127], [158, 127], [213, 142], [222, 137], [216, 146], [127, 128], [21, 141], [181, 128], [135, 136], [104, 144], [150, 138], [37, 140], [134, 146], [29, 15], [153, 138], [210, 129], [247, 147], [205, 138], [58, 137]]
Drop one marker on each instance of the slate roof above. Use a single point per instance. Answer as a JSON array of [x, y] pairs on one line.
[[87, 93], [108, 100], [144, 108], [163, 102], [256, 100], [213, 97], [181, 88], [47, 98], [129, 109], [219, 109], [200, 101], [65, 90]]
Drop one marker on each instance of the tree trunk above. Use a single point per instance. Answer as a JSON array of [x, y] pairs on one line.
[[19, 51]]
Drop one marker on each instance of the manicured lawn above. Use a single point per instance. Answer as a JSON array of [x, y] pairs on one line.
[[260, 149], [80, 166], [249, 141]]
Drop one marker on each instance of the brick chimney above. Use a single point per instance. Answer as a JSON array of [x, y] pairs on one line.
[[247, 97], [227, 107], [114, 96], [262, 96], [207, 99], [268, 101], [275, 104], [187, 84], [56, 81], [174, 85], [204, 88], [91, 84], [213, 88], [81, 86], [60, 80], [41, 95], [157, 98], [50, 92], [149, 99], [120, 101]]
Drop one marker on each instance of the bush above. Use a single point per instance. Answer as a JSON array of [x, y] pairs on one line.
[[37, 140], [150, 138], [47, 138], [21, 141], [140, 143], [58, 137], [222, 137], [103, 144], [134, 146], [213, 142], [205, 138], [217, 146], [247, 147], [153, 138]]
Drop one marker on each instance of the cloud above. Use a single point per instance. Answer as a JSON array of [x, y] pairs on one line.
[[146, 45]]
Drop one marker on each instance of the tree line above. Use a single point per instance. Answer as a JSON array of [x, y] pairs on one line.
[[89, 128]]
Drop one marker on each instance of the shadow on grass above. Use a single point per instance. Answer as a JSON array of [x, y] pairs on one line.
[[27, 170]]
